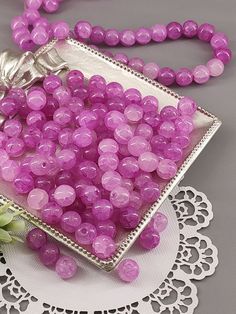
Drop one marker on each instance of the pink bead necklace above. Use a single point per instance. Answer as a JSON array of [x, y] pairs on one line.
[[43, 31]]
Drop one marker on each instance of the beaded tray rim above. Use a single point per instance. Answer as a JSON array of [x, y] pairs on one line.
[[111, 263]]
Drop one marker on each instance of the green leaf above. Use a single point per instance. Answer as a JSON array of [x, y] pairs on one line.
[[16, 238], [5, 207], [15, 226], [5, 236], [5, 219]]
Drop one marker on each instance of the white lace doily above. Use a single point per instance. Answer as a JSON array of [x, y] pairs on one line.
[[165, 286]]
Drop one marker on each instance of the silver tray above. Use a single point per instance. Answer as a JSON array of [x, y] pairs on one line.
[[90, 62]]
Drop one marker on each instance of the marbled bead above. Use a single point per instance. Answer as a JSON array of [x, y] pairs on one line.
[[85, 234], [36, 238], [128, 167], [39, 165], [51, 83], [112, 37], [166, 169], [169, 113], [119, 197], [190, 29], [184, 77], [64, 195], [187, 106], [23, 183], [36, 99], [149, 104], [50, 6], [15, 147], [97, 82], [148, 161], [114, 118], [128, 270], [136, 64], [149, 239], [150, 192], [31, 136], [129, 218], [45, 183], [83, 30], [50, 107], [167, 129], [108, 161], [141, 179], [151, 70], [90, 194], [114, 89], [219, 40], [18, 94], [159, 222], [64, 177], [18, 22], [215, 67], [62, 116], [3, 139], [182, 140], [66, 159], [223, 54], [111, 180], [108, 145], [75, 78], [87, 169], [63, 95], [102, 210], [8, 106], [133, 113], [37, 199], [174, 30], [123, 133], [166, 76], [107, 228], [135, 200], [12, 128], [66, 267], [49, 254], [9, 170], [76, 105], [128, 184], [39, 35], [51, 213], [173, 151], [60, 30], [46, 147], [82, 137], [121, 57], [103, 246], [36, 119], [132, 96], [206, 31], [31, 15], [143, 36], [97, 35], [159, 33], [3, 156], [201, 74], [184, 125], [127, 38], [144, 130], [138, 145], [70, 221]]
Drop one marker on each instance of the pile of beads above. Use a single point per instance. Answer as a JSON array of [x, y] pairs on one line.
[[42, 31], [90, 155]]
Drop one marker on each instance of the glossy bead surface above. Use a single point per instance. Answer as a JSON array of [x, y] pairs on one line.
[[60, 30], [66, 267], [184, 77], [215, 67], [187, 106], [127, 38], [143, 36], [159, 33], [138, 145], [128, 270], [159, 222], [64, 195], [166, 76], [223, 54], [85, 234], [129, 218], [12, 128], [174, 30], [23, 183], [36, 100], [49, 254], [51, 213], [37, 199], [36, 238], [128, 167], [149, 239], [112, 37], [166, 169], [107, 228], [190, 29], [70, 221], [151, 70], [110, 180], [108, 161], [102, 210], [150, 192], [9, 170], [83, 30], [201, 74], [103, 246], [148, 162], [206, 31], [82, 137], [119, 197]]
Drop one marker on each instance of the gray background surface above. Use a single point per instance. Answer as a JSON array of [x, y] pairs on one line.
[[214, 172]]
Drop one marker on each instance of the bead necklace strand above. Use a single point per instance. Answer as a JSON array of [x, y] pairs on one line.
[[43, 31]]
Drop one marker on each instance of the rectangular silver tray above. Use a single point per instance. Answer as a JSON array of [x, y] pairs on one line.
[[90, 62]]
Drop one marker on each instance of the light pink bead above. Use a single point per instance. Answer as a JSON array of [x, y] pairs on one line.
[[112, 37], [113, 119], [119, 197], [62, 116], [36, 99], [138, 145], [148, 162], [15, 147], [219, 41], [66, 267], [187, 106], [136, 63], [215, 67], [151, 70], [144, 130], [128, 167], [166, 169], [63, 95], [64, 195], [82, 137], [70, 221], [3, 156], [10, 170], [123, 133], [33, 4], [159, 33], [108, 145], [127, 38], [201, 74], [133, 113], [143, 36], [167, 129], [108, 161], [85, 234], [111, 180], [159, 222], [149, 104], [51, 6], [103, 246], [102, 210], [128, 270], [39, 35], [66, 159], [37, 199], [184, 125], [61, 30]]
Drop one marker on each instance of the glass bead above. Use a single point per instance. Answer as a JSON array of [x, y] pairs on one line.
[[128, 270], [102, 210], [36, 238], [49, 254], [66, 267], [149, 239], [51, 213], [103, 246], [70, 221], [119, 197], [85, 234], [64, 195]]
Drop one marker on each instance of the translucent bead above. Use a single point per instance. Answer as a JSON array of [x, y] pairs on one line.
[[44, 183], [184, 77], [190, 29], [113, 119], [66, 267], [64, 195], [85, 234], [90, 194], [60, 30], [70, 221], [219, 40], [149, 103], [12, 128], [138, 145], [46, 147], [129, 218], [51, 213], [31, 15], [25, 164], [18, 22], [201, 74], [132, 96], [82, 137], [152, 118], [37, 199], [128, 167], [127, 38], [66, 159], [3, 139], [107, 228], [174, 30], [184, 125], [88, 169], [103, 246], [148, 161], [36, 99], [51, 83], [39, 35], [75, 78], [91, 153], [166, 76], [159, 222], [83, 30], [8, 106], [149, 239], [167, 129], [150, 192], [51, 106], [144, 130], [108, 161], [166, 169], [23, 183], [36, 238], [173, 151], [10, 170], [63, 95], [159, 33], [88, 119], [182, 140], [223, 54], [3, 156], [97, 82], [123, 133], [102, 210], [128, 270], [143, 36], [136, 64], [114, 90], [215, 67], [141, 179], [97, 35], [169, 113], [76, 105], [187, 106], [135, 200], [65, 137], [31, 136], [112, 37], [39, 165], [64, 177], [119, 197], [133, 113], [111, 180], [108, 145], [36, 119], [49, 254], [151, 70]]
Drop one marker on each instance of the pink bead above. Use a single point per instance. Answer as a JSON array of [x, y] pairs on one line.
[[119, 197], [36, 100], [129, 218], [36, 238], [91, 153], [51, 213], [85, 234], [97, 82], [108, 145], [149, 239], [39, 165], [132, 96], [128, 270], [70, 221], [49, 254], [184, 77], [190, 29], [215, 67], [90, 194], [83, 30], [201, 74], [150, 192], [123, 133], [143, 36], [107, 228], [66, 159], [219, 40], [10, 170], [149, 104], [43, 22], [206, 31], [138, 145], [39, 35], [44, 183], [3, 156], [88, 169], [15, 147], [159, 33], [114, 89], [103, 246], [128, 167], [31, 15], [135, 200], [31, 136], [141, 179], [102, 210], [159, 222], [76, 105], [127, 38], [62, 95], [182, 140], [64, 177], [97, 35], [169, 113], [166, 76], [18, 94], [61, 30], [25, 164], [133, 113], [128, 184], [148, 162], [82, 137], [12, 128], [111, 180], [113, 119], [62, 116], [184, 125], [144, 130], [23, 183], [37, 199], [112, 37], [8, 106], [46, 147], [3, 139], [167, 129], [166, 169], [151, 70], [173, 151], [64, 195], [223, 54], [88, 119], [36, 119], [136, 64], [187, 106], [51, 83], [51, 6], [174, 30], [18, 22], [74, 79], [51, 106], [66, 267], [108, 161]]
